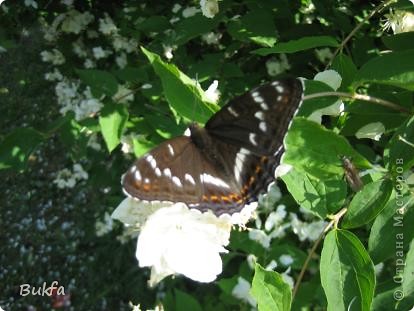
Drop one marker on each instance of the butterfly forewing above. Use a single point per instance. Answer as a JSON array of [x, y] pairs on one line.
[[258, 120]]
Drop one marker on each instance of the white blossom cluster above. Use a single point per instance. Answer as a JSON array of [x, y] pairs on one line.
[[104, 226], [67, 179]]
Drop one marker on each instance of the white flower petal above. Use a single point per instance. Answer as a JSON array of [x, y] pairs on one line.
[[372, 131], [329, 77]]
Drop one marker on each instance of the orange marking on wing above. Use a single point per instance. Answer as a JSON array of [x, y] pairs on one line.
[[147, 187], [204, 198], [258, 169], [251, 180]]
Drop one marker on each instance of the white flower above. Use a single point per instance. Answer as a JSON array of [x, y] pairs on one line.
[[372, 131], [334, 80], [276, 218], [94, 143], [168, 52], [67, 179], [286, 259], [105, 226], [75, 21], [146, 86], [79, 48], [282, 169], [271, 197], [31, 3], [242, 291], [399, 21], [212, 93], [67, 2], [211, 38], [123, 95], [189, 11], [287, 278], [2, 49], [176, 239], [107, 26], [127, 143], [275, 66], [89, 63], [99, 52], [260, 236], [176, 8], [121, 60], [324, 55], [79, 173], [120, 43], [306, 231], [272, 265], [134, 212], [55, 57], [209, 8], [251, 261], [53, 76]]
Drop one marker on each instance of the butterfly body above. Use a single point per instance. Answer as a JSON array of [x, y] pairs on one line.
[[226, 164]]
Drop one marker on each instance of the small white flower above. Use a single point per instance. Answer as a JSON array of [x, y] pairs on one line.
[[271, 266], [146, 86], [260, 236], [269, 199], [378, 268], [176, 8], [212, 93], [275, 66], [399, 21], [133, 212], [276, 218], [123, 95], [79, 172], [105, 226], [53, 76], [2, 49], [55, 57], [31, 3], [372, 131], [127, 143], [242, 291], [209, 8], [99, 52], [251, 261], [121, 60], [287, 278], [168, 52], [282, 169], [107, 26], [94, 143], [211, 38], [324, 55], [67, 2], [286, 259], [75, 21], [189, 11], [306, 231], [89, 63]]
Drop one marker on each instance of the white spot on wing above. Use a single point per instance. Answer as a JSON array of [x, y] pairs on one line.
[[252, 138], [207, 178], [177, 181], [133, 168], [146, 180], [238, 166], [157, 172], [189, 178], [275, 83], [279, 88], [171, 150], [232, 111], [264, 106], [259, 115], [167, 172], [263, 126], [138, 175]]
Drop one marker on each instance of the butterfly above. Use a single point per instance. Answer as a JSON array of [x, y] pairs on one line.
[[227, 163]]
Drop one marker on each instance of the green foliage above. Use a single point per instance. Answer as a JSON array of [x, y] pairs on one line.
[[270, 291], [167, 61]]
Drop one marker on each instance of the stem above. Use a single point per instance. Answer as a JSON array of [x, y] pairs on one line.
[[334, 222], [352, 33], [363, 97]]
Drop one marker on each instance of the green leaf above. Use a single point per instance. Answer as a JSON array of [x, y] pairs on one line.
[[399, 153], [182, 93], [101, 82], [408, 275], [344, 65], [315, 150], [347, 272], [301, 44], [112, 121], [184, 301], [367, 203], [320, 197], [256, 26], [194, 26], [399, 42], [396, 68], [311, 105], [154, 24], [390, 222], [17, 146], [270, 291]]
